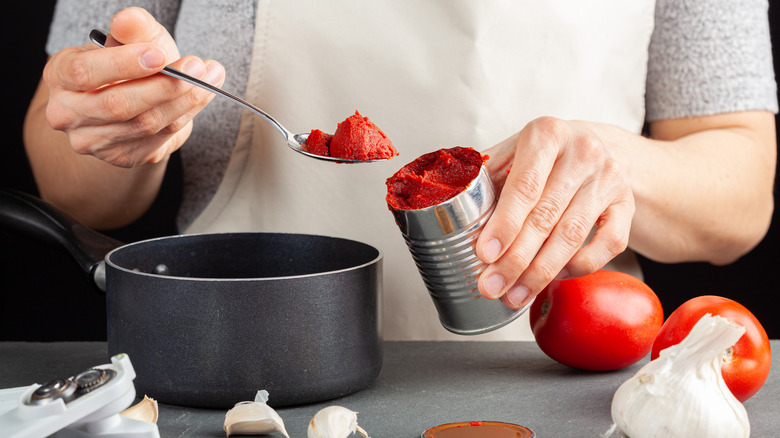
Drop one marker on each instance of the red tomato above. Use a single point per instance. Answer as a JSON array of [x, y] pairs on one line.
[[603, 321], [746, 365]]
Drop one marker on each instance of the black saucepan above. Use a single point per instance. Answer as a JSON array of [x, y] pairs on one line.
[[208, 320]]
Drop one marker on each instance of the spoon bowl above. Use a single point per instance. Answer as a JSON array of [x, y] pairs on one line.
[[296, 142]]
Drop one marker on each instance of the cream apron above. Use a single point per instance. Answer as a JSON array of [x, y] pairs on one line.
[[430, 74]]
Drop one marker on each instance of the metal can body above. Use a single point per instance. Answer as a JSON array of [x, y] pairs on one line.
[[441, 239]]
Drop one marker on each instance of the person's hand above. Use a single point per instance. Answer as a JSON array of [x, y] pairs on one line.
[[111, 102], [557, 181]]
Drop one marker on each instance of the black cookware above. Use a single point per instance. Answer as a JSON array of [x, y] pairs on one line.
[[209, 319]]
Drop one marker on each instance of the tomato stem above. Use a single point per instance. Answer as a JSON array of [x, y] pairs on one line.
[[545, 308]]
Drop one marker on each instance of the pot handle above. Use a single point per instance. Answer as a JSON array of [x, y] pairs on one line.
[[33, 217]]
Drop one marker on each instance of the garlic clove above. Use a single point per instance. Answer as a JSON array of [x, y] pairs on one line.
[[145, 410], [682, 392], [254, 418], [334, 422]]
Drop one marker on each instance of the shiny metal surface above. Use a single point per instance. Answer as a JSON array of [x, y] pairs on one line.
[[441, 240]]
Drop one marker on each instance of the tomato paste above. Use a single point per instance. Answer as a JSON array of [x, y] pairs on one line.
[[356, 138], [433, 178], [318, 142]]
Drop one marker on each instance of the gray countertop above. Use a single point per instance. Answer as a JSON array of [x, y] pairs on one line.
[[422, 384]]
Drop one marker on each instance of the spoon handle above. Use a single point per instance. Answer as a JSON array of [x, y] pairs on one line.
[[99, 37]]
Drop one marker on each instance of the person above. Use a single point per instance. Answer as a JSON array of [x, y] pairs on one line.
[[555, 93]]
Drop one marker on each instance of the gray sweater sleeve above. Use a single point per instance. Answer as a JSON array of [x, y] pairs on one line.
[[709, 57], [73, 19]]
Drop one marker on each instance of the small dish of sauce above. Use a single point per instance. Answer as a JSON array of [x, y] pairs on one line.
[[478, 429]]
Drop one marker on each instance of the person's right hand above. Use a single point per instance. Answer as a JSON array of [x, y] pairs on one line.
[[111, 102]]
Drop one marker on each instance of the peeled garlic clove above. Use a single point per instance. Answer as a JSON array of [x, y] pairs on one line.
[[145, 410], [682, 392], [254, 418], [334, 422]]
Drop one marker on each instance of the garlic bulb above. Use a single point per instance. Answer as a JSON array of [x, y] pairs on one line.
[[334, 422], [682, 393], [145, 410], [254, 418]]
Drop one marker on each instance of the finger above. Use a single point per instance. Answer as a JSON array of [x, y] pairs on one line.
[[499, 161], [137, 151], [165, 119], [81, 69], [501, 155], [582, 170], [136, 25], [611, 238], [563, 254], [160, 121], [551, 214], [126, 100], [537, 150], [537, 232], [171, 115], [152, 127], [563, 243], [147, 48]]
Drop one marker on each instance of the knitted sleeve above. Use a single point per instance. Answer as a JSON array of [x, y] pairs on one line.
[[708, 57]]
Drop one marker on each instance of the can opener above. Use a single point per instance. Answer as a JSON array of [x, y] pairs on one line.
[[86, 405]]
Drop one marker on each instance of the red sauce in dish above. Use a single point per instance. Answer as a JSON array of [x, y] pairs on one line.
[[479, 429], [433, 178], [356, 138]]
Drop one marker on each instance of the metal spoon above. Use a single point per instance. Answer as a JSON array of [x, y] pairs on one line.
[[296, 142]]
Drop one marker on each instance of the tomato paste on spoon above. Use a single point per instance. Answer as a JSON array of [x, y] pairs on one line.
[[356, 138]]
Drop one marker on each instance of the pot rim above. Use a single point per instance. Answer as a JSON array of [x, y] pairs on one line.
[[235, 235]]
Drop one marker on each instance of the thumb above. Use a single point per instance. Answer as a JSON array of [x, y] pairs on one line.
[[136, 25]]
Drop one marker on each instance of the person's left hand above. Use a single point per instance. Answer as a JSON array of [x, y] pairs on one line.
[[556, 182]]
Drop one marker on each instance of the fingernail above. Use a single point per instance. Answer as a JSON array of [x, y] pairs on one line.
[[194, 68], [152, 59], [563, 275], [213, 73], [491, 250], [493, 285], [517, 294]]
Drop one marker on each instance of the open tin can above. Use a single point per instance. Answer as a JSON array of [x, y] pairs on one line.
[[441, 239]]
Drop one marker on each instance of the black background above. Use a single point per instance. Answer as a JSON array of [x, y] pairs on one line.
[[45, 297]]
